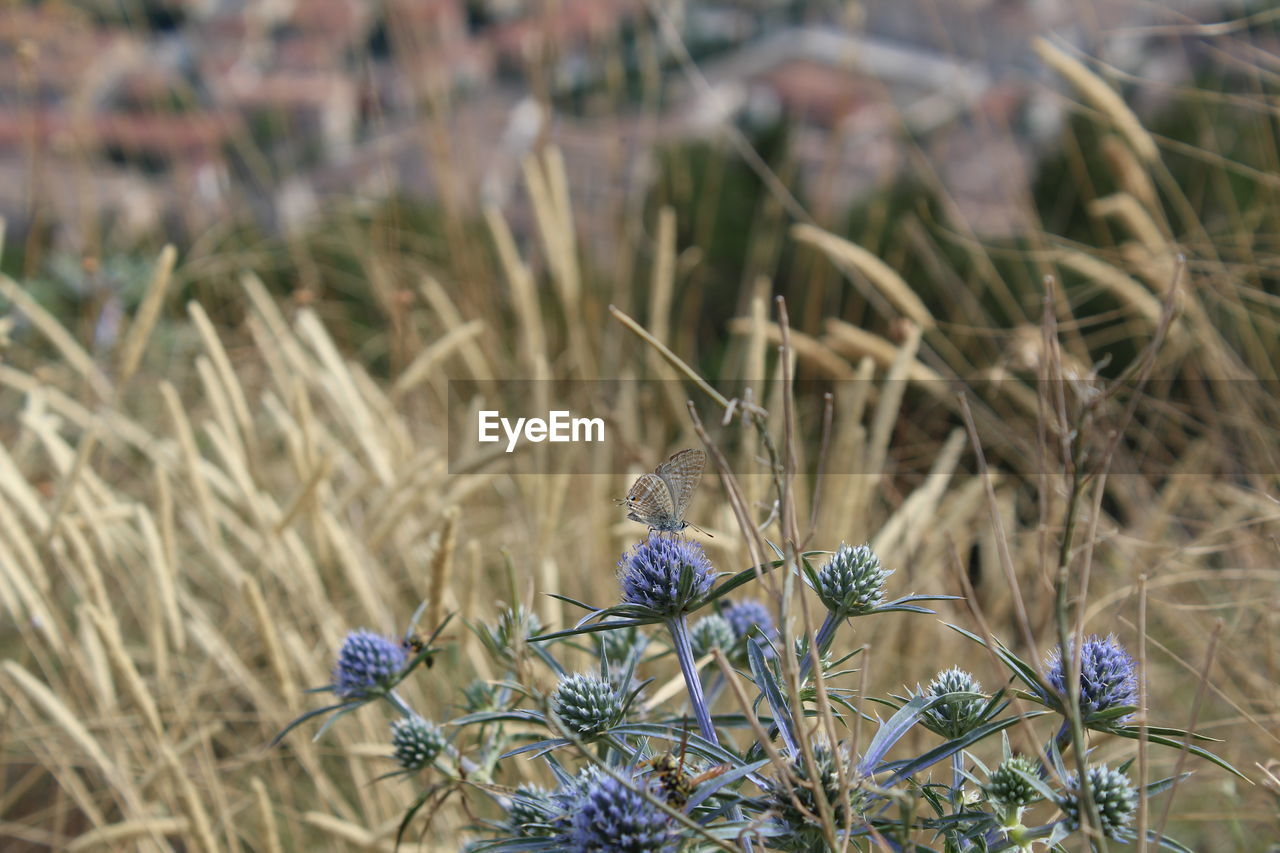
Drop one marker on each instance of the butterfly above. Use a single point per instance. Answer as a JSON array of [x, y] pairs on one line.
[[660, 499]]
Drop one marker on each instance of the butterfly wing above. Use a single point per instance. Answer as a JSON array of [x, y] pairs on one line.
[[649, 502], [681, 474]]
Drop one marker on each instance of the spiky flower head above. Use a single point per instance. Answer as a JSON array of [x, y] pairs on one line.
[[1114, 795], [417, 743], [587, 704], [750, 614], [608, 816], [852, 581], [712, 632], [1108, 676], [1007, 785], [664, 574], [514, 626], [782, 793], [367, 663], [958, 715], [479, 696], [618, 644], [531, 812]]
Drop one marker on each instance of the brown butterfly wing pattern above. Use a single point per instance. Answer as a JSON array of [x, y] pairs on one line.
[[649, 502], [681, 473], [660, 499]]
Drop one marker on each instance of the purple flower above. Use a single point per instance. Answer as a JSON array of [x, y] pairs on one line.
[[367, 663], [665, 574], [748, 614], [1107, 675], [610, 816]]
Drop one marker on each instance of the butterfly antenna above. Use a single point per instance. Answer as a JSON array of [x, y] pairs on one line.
[[700, 530]]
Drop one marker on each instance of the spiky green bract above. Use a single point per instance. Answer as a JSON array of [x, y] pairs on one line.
[[712, 632], [1114, 795], [417, 742], [665, 574], [619, 644], [531, 812], [368, 663], [587, 704], [513, 627], [954, 716], [1008, 785], [852, 581], [801, 833]]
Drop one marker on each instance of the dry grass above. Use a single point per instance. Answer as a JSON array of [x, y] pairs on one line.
[[186, 535]]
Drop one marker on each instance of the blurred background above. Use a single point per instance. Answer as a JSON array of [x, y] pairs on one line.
[[254, 250]]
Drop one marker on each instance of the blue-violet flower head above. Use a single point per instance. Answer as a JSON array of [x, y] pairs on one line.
[[367, 663], [611, 817], [1108, 676], [750, 614], [652, 573]]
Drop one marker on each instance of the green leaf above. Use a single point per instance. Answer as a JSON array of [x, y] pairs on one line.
[[1192, 748]]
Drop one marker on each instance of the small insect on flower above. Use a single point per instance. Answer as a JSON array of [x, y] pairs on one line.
[[415, 645], [673, 778], [660, 499]]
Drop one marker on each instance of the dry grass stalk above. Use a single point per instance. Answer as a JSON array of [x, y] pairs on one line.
[[1103, 98], [809, 351], [886, 281], [71, 351]]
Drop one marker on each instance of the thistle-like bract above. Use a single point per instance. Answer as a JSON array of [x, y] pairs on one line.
[[1114, 795], [367, 663], [608, 816], [652, 573], [782, 794], [417, 743], [712, 632], [1107, 675], [1008, 786], [587, 704], [515, 625], [955, 716], [852, 581], [530, 812]]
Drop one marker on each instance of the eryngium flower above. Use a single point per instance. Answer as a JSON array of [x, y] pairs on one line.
[[852, 581], [747, 614], [1112, 792], [586, 704], [515, 625], [367, 663], [1008, 787], [417, 742], [617, 645], [1107, 675], [956, 716], [712, 632], [651, 574], [531, 812], [803, 833], [610, 816]]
